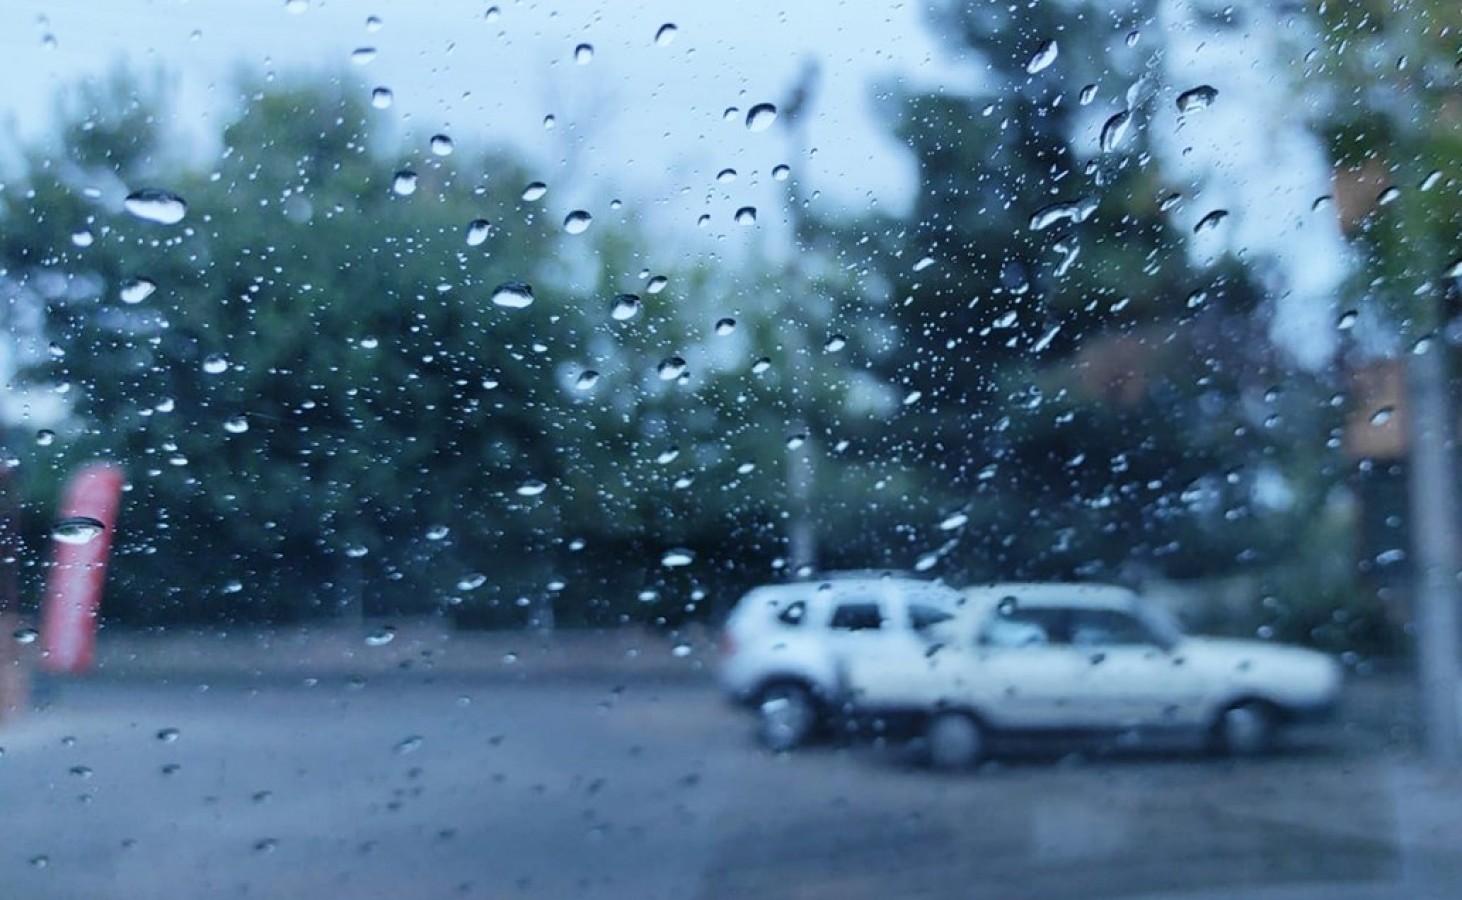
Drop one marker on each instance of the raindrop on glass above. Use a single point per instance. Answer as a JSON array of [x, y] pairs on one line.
[[373, 23], [586, 380], [725, 326], [25, 635], [363, 55], [1007, 606], [135, 290], [168, 735], [796, 441], [477, 232], [1430, 181], [512, 295], [656, 284], [670, 368], [746, 215], [1114, 131], [1347, 320], [1210, 221], [1197, 99], [45, 437], [472, 582], [1043, 58], [674, 559], [665, 35], [236, 425], [214, 364], [835, 343], [1389, 195], [953, 522], [438, 532], [404, 183], [531, 488], [1087, 95], [83, 239], [584, 54], [381, 636], [381, 98], [441, 145], [626, 306], [781, 172], [155, 205], [1382, 415], [761, 365], [577, 222], [761, 116], [726, 176], [535, 191]]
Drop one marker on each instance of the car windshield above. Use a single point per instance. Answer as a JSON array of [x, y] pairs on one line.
[[558, 448]]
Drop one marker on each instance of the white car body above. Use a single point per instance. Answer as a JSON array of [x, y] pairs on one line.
[[806, 633], [1052, 657]]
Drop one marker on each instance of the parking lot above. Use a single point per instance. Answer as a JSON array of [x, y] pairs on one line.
[[613, 769]]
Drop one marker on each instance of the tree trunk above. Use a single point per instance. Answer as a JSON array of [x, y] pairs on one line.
[[1435, 550]]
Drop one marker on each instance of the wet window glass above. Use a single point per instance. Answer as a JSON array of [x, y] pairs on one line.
[[857, 617]]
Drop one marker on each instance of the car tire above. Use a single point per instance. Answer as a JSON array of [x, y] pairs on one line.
[[956, 741], [786, 717], [1245, 729]]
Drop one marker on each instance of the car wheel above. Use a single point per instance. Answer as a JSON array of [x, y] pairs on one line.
[[786, 717], [1245, 729], [956, 741]]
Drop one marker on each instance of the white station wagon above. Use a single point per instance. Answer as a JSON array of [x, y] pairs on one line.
[[1045, 658]]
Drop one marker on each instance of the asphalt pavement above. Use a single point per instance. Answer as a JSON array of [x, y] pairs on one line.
[[342, 764]]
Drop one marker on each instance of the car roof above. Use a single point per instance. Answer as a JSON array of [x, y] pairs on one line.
[[1045, 594], [876, 581]]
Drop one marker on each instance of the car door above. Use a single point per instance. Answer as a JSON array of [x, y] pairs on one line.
[[1130, 677], [1022, 671]]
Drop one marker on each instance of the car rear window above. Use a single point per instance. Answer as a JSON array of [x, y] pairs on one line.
[[857, 617]]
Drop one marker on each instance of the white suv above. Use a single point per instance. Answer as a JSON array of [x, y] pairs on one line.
[[786, 648], [1042, 658]]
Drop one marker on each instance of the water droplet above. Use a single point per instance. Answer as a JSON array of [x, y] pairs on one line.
[[214, 364], [1347, 320], [761, 365], [233, 587], [81, 772], [584, 54], [39, 861], [923, 264], [492, 14], [531, 488], [1383, 415], [363, 55], [168, 735], [781, 172], [156, 205], [1321, 202], [410, 744], [357, 551], [586, 380], [1114, 130], [477, 232], [535, 191], [25, 635], [954, 522], [266, 845], [56, 350], [472, 582], [381, 98], [512, 295], [761, 116], [1133, 37], [404, 183], [667, 456], [550, 122], [373, 23], [1043, 58], [795, 442], [1430, 181], [370, 342], [656, 284], [1454, 270], [45, 437], [381, 636], [626, 306], [746, 215], [674, 559], [441, 145], [726, 176], [1169, 201], [83, 239], [135, 290], [296, 6], [1007, 606], [1389, 195], [236, 425], [1210, 221], [1197, 99], [725, 326], [577, 222], [438, 532], [665, 35], [835, 343], [1076, 210], [1087, 95], [670, 368], [77, 530]]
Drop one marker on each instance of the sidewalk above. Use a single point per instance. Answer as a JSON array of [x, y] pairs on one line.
[[417, 647]]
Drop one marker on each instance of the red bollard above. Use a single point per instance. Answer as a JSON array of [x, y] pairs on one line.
[[82, 541]]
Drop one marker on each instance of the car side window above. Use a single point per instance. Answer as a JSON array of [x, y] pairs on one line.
[[857, 617], [1024, 628], [923, 617], [1108, 627]]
